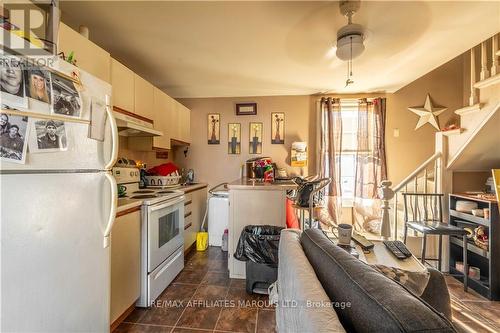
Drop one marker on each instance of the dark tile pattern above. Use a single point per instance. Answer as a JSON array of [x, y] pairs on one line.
[[472, 312], [204, 299]]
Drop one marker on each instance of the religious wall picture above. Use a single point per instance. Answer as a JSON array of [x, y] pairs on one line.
[[48, 136], [255, 131], [66, 99], [234, 138], [38, 84], [13, 138], [278, 128], [12, 82], [213, 129]]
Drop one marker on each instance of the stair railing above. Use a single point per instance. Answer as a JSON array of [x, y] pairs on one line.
[[417, 182]]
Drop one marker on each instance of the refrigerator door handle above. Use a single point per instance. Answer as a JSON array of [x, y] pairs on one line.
[[112, 212], [114, 135]]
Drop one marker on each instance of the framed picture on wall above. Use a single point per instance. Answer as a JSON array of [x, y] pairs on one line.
[[234, 138], [246, 109], [277, 128], [213, 129], [255, 133]]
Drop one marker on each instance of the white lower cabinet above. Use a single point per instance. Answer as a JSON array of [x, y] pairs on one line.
[[125, 263]]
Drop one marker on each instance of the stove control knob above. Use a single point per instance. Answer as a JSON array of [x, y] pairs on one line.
[[137, 173], [131, 174]]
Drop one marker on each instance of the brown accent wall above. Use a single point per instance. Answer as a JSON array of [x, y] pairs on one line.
[[404, 153], [214, 165]]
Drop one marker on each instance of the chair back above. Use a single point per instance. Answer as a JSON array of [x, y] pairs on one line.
[[423, 207]]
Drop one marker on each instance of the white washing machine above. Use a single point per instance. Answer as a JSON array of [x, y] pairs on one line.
[[218, 216]]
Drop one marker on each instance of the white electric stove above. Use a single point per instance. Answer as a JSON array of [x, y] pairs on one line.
[[162, 233]]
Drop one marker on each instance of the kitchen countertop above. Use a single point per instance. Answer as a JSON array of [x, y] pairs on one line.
[[127, 203], [192, 187], [252, 184]]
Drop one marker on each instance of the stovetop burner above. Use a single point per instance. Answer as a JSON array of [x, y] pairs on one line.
[[144, 191], [144, 196]]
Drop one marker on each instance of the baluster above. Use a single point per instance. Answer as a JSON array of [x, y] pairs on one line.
[[425, 191], [396, 215], [473, 96], [415, 184], [494, 58], [484, 74]]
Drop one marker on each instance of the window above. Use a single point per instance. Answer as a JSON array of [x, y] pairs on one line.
[[356, 142]]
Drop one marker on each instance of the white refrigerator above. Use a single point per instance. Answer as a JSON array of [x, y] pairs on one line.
[[57, 211]]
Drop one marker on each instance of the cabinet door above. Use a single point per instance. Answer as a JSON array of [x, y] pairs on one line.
[[125, 263], [89, 57], [161, 119], [174, 119], [144, 97], [122, 80], [185, 123]]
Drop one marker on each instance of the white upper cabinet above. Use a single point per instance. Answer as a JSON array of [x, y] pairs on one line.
[[89, 57], [122, 80], [161, 119], [143, 97]]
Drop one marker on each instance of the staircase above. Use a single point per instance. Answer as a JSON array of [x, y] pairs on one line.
[[474, 146]]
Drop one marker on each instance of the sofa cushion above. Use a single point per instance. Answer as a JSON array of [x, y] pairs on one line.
[[298, 286], [378, 304]]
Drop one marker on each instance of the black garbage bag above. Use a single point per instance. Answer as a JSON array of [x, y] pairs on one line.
[[259, 243]]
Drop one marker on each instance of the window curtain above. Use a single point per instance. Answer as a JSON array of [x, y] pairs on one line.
[[330, 143], [370, 162], [370, 167]]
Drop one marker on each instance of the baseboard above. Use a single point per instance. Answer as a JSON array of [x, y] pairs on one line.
[[191, 248], [120, 319]]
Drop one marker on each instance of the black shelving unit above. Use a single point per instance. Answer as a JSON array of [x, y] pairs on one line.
[[488, 261]]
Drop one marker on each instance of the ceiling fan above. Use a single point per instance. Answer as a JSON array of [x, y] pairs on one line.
[[350, 38]]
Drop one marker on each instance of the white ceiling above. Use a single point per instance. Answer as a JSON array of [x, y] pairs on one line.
[[215, 49]]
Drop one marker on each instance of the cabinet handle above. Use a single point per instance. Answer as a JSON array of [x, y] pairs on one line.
[[187, 225], [188, 202], [188, 214]]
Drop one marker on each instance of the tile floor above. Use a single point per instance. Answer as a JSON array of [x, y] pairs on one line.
[[204, 299], [471, 311]]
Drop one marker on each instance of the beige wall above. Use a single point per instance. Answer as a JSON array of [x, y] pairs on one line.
[[214, 165], [406, 152]]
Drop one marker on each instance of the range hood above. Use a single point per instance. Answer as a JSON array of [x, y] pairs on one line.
[[132, 125]]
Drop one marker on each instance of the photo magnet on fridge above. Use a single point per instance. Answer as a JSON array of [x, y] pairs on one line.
[[13, 138], [48, 135], [12, 82], [66, 99], [38, 84]]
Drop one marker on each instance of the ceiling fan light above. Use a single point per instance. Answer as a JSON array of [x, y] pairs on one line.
[[344, 47]]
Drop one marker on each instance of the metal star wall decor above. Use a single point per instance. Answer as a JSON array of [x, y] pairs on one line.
[[428, 113]]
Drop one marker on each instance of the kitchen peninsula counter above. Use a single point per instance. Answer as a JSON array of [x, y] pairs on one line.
[[253, 202], [252, 184]]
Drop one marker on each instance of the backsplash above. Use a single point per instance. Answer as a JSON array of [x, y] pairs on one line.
[[148, 157]]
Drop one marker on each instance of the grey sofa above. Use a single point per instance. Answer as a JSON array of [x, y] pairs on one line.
[[322, 288]]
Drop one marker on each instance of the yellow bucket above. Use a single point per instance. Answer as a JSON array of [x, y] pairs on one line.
[[201, 241]]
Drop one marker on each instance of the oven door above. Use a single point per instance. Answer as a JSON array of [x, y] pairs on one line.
[[165, 230]]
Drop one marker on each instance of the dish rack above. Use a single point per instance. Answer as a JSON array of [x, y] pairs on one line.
[[163, 180]]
